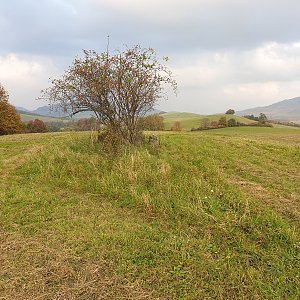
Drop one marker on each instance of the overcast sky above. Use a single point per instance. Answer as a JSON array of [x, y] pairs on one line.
[[223, 53]]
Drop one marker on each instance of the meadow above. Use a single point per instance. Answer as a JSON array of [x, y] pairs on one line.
[[26, 117], [192, 120], [207, 215]]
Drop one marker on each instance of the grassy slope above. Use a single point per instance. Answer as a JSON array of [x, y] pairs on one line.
[[190, 120], [211, 215], [29, 117]]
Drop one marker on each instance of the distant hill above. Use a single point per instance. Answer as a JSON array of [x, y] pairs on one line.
[[28, 116], [56, 112], [286, 110]]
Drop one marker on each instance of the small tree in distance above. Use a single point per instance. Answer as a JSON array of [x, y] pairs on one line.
[[118, 88], [223, 122], [153, 122], [262, 118], [176, 126], [205, 123], [232, 122], [230, 112]]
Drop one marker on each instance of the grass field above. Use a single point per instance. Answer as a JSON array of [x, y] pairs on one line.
[[191, 120], [208, 215], [29, 117]]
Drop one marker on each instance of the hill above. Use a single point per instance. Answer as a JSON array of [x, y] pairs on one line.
[[286, 110], [209, 215], [56, 112], [28, 116], [191, 120]]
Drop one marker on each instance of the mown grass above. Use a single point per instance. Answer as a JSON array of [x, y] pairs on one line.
[[191, 120], [208, 215]]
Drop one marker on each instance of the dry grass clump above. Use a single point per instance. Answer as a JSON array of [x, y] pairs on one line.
[[42, 269]]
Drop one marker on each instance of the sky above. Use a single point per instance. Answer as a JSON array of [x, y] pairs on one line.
[[223, 53]]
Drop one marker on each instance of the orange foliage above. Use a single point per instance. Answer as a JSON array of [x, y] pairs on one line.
[[10, 121]]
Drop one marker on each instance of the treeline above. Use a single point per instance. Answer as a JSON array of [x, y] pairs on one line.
[[152, 123], [207, 124], [85, 124], [38, 126]]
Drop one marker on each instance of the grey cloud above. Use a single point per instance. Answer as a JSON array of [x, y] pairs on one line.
[[213, 45], [64, 27]]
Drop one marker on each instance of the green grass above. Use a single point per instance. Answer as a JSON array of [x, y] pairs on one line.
[[29, 117], [209, 215], [191, 120]]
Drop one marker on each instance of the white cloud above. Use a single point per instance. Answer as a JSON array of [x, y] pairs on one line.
[[238, 79], [24, 78]]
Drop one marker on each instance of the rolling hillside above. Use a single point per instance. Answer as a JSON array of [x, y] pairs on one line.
[[57, 113], [210, 215], [28, 116], [191, 120], [286, 110]]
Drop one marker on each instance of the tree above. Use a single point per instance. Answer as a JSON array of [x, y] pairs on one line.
[[223, 122], [118, 88], [205, 122], [176, 126], [251, 117], [232, 123], [87, 124], [10, 121], [153, 122], [214, 124], [36, 126], [230, 112], [262, 118]]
